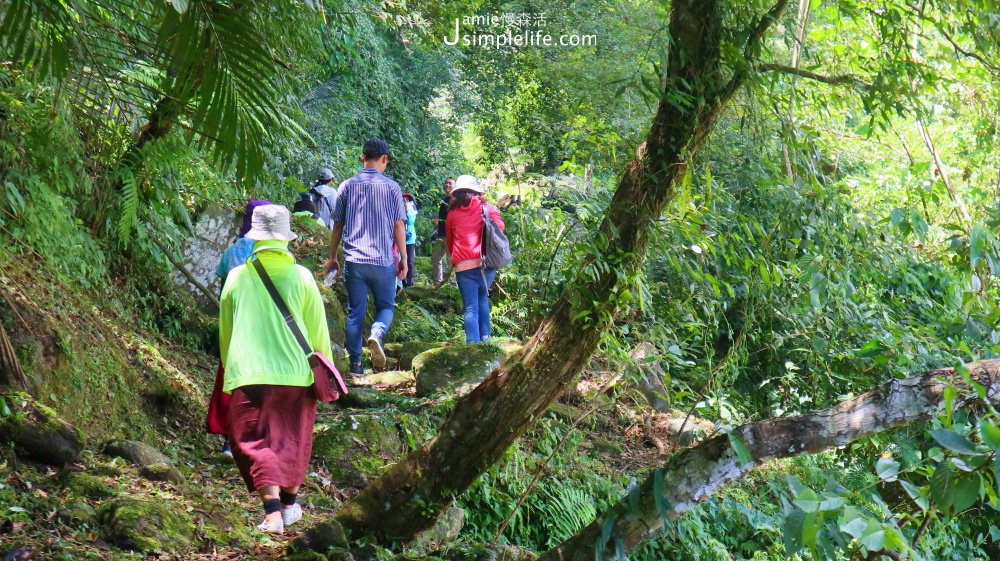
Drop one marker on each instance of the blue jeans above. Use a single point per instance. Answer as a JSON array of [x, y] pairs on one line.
[[474, 285], [411, 257], [359, 279]]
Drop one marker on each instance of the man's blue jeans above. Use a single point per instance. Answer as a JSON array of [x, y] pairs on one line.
[[359, 279], [474, 285]]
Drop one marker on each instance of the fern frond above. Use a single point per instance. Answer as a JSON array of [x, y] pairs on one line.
[[128, 206]]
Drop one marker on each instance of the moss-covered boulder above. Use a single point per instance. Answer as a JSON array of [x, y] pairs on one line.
[[322, 538], [153, 464], [221, 524], [162, 472], [392, 350], [37, 431], [387, 378], [445, 530], [356, 448], [411, 349], [479, 552], [458, 369], [336, 316], [77, 512], [137, 453], [146, 525], [87, 486], [310, 556]]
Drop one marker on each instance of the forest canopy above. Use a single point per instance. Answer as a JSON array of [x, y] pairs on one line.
[[752, 312]]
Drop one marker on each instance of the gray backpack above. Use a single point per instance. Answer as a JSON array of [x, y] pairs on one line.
[[496, 247]]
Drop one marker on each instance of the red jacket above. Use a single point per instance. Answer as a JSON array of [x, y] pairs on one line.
[[464, 233]]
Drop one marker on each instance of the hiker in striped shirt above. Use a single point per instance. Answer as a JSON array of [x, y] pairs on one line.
[[369, 218]]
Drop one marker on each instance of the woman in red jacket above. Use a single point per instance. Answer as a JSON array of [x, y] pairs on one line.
[[464, 236]]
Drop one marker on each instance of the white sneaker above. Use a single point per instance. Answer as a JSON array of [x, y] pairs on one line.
[[276, 526], [378, 353], [292, 514]]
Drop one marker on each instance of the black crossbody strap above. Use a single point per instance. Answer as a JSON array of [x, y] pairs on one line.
[[286, 314]]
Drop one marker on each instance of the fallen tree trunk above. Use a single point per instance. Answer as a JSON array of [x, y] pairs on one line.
[[697, 87], [697, 473]]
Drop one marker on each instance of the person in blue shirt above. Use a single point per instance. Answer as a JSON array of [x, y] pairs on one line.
[[236, 254], [411, 237], [370, 219]]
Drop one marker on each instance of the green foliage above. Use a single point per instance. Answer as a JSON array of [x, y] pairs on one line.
[[561, 504]]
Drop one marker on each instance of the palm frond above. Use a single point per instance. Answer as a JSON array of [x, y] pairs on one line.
[[39, 35]]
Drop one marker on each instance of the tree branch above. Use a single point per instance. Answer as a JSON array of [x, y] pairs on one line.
[[698, 473], [837, 79], [768, 19], [993, 68]]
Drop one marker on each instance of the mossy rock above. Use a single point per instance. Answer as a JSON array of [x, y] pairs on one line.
[[604, 446], [162, 472], [308, 556], [393, 350], [223, 525], [336, 316], [86, 485], [356, 448], [146, 525], [37, 431], [77, 512], [411, 349], [137, 453], [321, 538], [565, 413], [445, 530], [341, 361], [458, 369], [360, 397], [388, 378], [479, 552]]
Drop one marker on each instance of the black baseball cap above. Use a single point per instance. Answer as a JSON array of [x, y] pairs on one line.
[[375, 148]]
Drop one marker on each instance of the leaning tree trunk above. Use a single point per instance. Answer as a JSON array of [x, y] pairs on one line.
[[411, 494], [11, 373], [697, 473]]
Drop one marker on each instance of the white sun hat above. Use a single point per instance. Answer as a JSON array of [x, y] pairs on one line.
[[468, 182], [271, 222]]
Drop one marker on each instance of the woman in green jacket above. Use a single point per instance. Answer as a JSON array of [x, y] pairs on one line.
[[273, 404]]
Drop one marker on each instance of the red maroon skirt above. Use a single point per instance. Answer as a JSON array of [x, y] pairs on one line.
[[271, 433]]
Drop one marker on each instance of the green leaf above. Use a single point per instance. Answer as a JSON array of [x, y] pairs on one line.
[[968, 489], [853, 522], [830, 502], [807, 500], [792, 533], [887, 469], [912, 490], [955, 442], [942, 486], [990, 434], [742, 452], [977, 245], [873, 537], [659, 498]]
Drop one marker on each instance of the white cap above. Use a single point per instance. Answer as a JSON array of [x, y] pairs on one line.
[[468, 182], [271, 222]]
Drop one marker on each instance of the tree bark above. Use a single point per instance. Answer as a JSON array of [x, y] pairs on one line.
[[698, 473], [11, 373], [409, 496]]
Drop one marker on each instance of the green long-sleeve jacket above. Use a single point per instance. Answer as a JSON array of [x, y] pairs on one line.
[[256, 345]]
